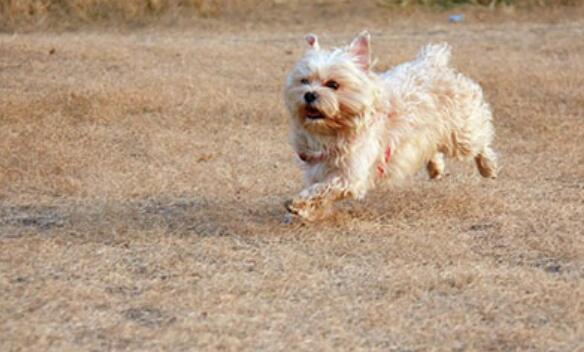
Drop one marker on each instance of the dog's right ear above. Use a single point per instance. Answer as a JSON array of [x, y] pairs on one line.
[[312, 41], [360, 47]]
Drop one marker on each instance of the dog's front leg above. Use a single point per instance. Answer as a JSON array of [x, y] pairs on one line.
[[315, 202]]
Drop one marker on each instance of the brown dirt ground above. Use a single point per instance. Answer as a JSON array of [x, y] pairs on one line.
[[142, 176]]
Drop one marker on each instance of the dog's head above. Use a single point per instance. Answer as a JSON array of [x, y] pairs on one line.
[[329, 91]]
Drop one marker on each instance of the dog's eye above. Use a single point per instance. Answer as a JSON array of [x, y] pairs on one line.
[[304, 81], [332, 85]]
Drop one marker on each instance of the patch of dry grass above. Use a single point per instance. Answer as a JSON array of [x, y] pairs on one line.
[[59, 15], [489, 3], [18, 14], [142, 177]]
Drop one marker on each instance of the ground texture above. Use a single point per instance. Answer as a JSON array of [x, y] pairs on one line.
[[142, 176]]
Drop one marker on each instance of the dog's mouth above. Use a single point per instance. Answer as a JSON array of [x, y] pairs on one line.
[[312, 113]]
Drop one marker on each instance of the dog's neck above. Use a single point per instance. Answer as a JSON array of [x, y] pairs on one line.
[[325, 147]]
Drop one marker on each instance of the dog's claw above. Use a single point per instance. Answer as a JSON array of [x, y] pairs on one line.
[[289, 204]]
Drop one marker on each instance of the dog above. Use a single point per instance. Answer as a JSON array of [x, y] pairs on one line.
[[353, 129]]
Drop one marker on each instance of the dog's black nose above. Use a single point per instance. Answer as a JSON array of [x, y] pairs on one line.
[[310, 97]]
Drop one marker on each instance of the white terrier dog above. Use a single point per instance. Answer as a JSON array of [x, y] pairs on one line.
[[353, 128]]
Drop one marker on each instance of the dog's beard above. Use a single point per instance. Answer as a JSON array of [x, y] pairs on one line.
[[319, 121], [331, 114]]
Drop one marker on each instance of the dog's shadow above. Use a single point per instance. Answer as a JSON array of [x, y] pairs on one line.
[[185, 215], [192, 215]]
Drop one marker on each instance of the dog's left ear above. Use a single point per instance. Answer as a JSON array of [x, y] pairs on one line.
[[312, 41], [360, 48]]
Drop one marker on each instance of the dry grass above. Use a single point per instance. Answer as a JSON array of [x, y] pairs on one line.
[[142, 176], [19, 14], [60, 15]]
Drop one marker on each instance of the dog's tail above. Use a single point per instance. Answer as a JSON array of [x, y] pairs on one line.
[[435, 54]]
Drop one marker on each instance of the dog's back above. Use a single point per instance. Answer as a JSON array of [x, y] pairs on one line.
[[443, 111]]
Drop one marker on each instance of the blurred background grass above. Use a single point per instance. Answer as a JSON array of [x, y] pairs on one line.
[[487, 3], [65, 14]]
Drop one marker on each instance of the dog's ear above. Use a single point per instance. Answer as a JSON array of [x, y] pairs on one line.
[[312, 41], [360, 48]]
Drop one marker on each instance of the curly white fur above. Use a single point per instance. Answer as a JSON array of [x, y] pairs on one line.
[[371, 128]]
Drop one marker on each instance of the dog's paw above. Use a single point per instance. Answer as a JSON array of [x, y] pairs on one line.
[[296, 211], [296, 206], [306, 209], [290, 219]]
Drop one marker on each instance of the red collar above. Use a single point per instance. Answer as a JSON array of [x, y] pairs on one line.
[[381, 165], [387, 155]]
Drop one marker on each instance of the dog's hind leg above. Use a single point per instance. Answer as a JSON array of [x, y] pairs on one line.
[[435, 166], [486, 161]]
